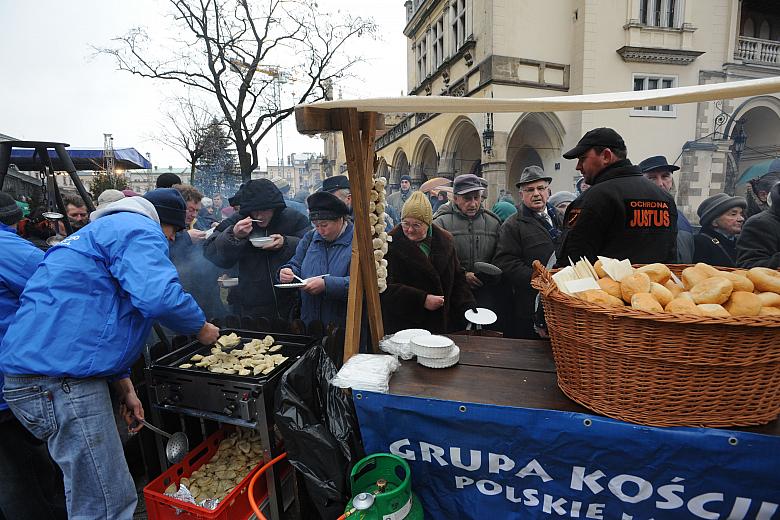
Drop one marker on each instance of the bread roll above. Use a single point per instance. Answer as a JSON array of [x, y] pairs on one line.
[[682, 306], [661, 293], [645, 302], [673, 287], [600, 297], [765, 279], [712, 290], [635, 283], [741, 283], [713, 310], [693, 275], [707, 268], [598, 266], [769, 299], [743, 303], [769, 311], [685, 295], [658, 273], [610, 286]]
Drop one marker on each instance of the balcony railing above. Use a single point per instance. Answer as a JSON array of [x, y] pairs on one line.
[[756, 50]]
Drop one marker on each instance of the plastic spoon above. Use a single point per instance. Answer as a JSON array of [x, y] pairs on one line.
[[177, 446]]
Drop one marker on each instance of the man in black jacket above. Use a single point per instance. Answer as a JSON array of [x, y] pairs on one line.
[[530, 234], [758, 244], [623, 214], [263, 214]]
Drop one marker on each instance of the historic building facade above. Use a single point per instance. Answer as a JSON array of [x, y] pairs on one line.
[[527, 48]]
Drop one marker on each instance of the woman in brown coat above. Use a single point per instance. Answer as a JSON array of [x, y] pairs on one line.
[[426, 287]]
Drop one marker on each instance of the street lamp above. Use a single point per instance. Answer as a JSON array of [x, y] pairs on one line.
[[488, 135], [740, 138]]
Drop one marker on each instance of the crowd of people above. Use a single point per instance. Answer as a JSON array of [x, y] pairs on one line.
[[74, 319]]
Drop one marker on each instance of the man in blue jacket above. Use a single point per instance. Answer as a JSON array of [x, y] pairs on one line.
[[81, 323], [30, 483]]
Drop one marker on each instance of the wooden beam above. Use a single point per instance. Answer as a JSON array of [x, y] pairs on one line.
[[354, 306], [359, 154], [313, 120]]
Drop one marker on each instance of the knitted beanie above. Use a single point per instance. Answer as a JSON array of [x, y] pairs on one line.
[[418, 206], [167, 179], [170, 206], [10, 212]]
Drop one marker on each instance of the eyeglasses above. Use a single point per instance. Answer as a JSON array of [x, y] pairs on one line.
[[540, 189], [415, 226]]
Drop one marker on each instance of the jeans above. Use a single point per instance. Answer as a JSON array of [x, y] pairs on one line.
[[30, 482], [75, 418]]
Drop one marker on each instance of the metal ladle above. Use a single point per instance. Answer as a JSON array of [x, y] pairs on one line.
[[177, 446]]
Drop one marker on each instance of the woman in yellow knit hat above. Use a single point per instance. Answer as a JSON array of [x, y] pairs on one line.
[[426, 287]]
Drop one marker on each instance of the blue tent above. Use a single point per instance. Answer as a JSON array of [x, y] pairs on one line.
[[83, 159], [759, 170]]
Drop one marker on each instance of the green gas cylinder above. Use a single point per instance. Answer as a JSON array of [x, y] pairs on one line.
[[381, 486]]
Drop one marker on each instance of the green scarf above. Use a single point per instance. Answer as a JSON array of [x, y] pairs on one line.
[[425, 243]]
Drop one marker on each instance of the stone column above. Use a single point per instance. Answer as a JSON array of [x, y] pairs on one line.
[[495, 175]]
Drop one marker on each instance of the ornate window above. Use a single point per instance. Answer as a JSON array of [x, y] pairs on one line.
[[422, 57], [648, 82], [458, 24], [661, 13], [437, 36]]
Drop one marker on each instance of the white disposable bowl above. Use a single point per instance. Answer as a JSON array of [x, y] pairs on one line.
[[261, 241], [228, 282]]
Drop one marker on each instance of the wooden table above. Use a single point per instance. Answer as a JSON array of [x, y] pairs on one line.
[[499, 371]]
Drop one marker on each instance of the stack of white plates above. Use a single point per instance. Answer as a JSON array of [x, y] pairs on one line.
[[403, 337], [435, 351]]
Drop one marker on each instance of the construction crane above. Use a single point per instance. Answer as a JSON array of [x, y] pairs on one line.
[[278, 76]]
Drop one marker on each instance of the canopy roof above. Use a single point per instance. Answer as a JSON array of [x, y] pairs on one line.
[[26, 159], [465, 105]]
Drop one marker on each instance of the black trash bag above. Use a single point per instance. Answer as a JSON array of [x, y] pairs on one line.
[[320, 430]]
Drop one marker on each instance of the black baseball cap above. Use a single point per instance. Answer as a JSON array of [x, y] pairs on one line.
[[605, 137]]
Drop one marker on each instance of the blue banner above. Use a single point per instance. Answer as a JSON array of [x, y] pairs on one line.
[[495, 462]]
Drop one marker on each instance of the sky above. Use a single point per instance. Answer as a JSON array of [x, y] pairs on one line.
[[54, 87]]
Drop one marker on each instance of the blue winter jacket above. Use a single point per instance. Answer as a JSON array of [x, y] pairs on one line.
[[18, 261], [88, 308], [315, 255]]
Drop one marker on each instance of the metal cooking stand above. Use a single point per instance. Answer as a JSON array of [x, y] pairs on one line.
[[242, 402]]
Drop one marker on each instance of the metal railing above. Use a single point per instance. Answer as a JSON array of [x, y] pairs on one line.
[[757, 50]]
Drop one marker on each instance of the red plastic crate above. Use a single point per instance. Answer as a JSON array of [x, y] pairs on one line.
[[235, 506]]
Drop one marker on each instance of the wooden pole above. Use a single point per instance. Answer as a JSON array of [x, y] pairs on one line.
[[354, 306], [359, 150]]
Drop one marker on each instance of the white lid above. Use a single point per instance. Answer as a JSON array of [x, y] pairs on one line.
[[481, 317], [404, 336], [433, 341]]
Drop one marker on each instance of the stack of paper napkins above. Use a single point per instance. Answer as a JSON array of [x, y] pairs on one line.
[[435, 351]]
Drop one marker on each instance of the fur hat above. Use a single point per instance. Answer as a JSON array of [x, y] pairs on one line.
[[418, 206], [170, 206], [326, 206]]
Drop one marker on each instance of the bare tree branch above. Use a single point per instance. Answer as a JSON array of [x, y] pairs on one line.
[[185, 128], [240, 53]]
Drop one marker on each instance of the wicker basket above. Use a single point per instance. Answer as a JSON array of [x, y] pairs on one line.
[[663, 369]]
